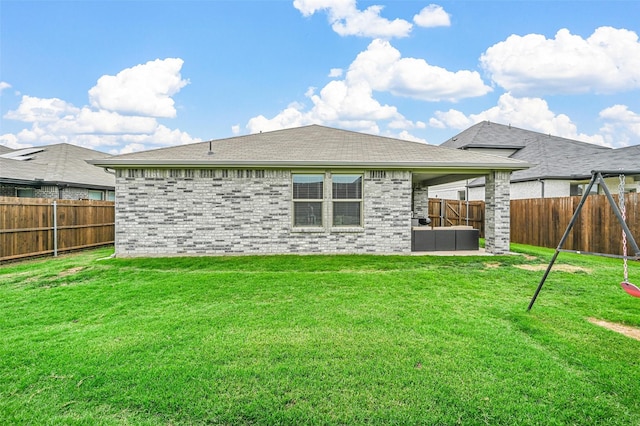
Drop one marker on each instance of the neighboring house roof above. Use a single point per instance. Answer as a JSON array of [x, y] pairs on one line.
[[624, 159], [312, 146], [4, 149], [60, 164], [551, 157]]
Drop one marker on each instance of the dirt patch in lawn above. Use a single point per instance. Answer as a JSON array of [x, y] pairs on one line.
[[628, 331], [70, 271], [562, 268]]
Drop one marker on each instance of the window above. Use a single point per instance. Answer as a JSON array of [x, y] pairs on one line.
[[579, 188], [347, 200], [96, 195], [308, 192], [26, 192], [111, 195]]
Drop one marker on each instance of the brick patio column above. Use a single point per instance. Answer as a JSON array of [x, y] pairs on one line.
[[497, 215], [421, 201]]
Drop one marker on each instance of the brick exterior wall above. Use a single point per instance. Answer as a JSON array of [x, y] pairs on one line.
[[497, 214], [50, 191], [7, 191], [421, 201], [214, 212], [47, 192]]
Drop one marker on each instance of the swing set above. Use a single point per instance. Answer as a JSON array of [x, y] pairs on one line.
[[619, 210]]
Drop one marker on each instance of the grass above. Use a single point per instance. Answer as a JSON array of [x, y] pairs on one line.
[[316, 340]]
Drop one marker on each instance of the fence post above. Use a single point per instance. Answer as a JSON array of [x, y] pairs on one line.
[[55, 228]]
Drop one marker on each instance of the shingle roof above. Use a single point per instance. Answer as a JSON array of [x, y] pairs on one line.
[[4, 149], [550, 156], [625, 159], [60, 163], [312, 146]]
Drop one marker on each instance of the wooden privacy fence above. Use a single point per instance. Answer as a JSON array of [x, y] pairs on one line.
[[456, 212], [40, 226], [542, 222]]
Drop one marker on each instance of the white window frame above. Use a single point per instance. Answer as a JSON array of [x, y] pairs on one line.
[[316, 215], [335, 201]]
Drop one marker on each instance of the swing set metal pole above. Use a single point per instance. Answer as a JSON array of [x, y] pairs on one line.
[[562, 240]]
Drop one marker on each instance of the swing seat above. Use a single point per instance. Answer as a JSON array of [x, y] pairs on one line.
[[630, 288]]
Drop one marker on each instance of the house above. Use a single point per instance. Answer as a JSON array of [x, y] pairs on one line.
[[310, 189], [54, 171], [560, 167]]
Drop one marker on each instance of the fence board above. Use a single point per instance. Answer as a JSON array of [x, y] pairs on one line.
[[26, 225], [542, 222], [455, 212]]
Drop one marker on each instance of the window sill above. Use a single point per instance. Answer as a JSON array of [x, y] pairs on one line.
[[308, 230], [333, 230], [345, 229]]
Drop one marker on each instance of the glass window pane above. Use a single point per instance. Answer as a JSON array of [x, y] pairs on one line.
[[307, 187], [347, 187], [346, 213], [96, 195], [27, 193], [307, 213]]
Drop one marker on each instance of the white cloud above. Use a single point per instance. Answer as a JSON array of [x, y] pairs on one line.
[[144, 89], [452, 119], [606, 62], [292, 116], [351, 103], [622, 125], [346, 19], [11, 141], [335, 72], [405, 135], [32, 110], [132, 147], [382, 66], [339, 103], [56, 121], [4, 85], [235, 129], [88, 121], [432, 16], [528, 113]]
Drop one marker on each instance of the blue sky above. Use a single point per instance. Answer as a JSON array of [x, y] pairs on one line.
[[123, 76]]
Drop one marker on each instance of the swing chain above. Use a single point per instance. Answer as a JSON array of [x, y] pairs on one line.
[[624, 234]]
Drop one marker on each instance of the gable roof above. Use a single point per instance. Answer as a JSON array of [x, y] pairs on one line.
[[549, 156], [54, 164], [309, 147]]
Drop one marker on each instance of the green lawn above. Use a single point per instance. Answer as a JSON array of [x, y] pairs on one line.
[[317, 340]]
